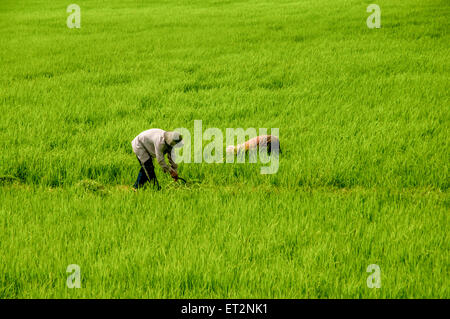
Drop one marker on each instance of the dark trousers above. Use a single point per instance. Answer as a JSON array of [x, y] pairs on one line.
[[146, 174]]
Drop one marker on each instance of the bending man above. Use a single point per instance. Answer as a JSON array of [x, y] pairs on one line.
[[155, 143]]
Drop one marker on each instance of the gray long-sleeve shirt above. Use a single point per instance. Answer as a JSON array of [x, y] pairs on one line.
[[151, 144]]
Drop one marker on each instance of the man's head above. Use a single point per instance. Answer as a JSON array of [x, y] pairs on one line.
[[173, 138]]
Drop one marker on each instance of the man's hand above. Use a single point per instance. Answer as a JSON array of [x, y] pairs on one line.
[[174, 175]]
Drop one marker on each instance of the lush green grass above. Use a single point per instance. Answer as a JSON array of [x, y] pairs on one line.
[[233, 243], [364, 127]]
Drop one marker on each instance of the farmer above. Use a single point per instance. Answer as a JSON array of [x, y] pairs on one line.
[[155, 143]]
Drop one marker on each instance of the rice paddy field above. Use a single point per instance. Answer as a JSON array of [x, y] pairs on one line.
[[363, 118]]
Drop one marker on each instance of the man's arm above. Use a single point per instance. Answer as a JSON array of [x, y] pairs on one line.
[[171, 158], [160, 158]]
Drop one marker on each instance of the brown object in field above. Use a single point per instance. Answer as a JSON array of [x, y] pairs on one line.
[[267, 141]]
